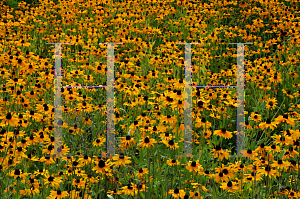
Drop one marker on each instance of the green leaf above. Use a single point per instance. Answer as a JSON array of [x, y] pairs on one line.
[[248, 185], [163, 167], [135, 160]]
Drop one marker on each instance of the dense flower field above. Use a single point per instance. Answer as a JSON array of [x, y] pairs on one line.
[[149, 99]]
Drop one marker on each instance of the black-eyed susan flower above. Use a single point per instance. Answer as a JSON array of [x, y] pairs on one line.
[[17, 173], [47, 160], [261, 161], [178, 95], [130, 189], [293, 194], [273, 148], [260, 149], [223, 133], [173, 162], [293, 153], [31, 191], [147, 142], [195, 195], [201, 104], [143, 117], [177, 193], [207, 173], [58, 194], [255, 176], [195, 167], [69, 172], [99, 141], [168, 100], [281, 139], [227, 171], [126, 142], [10, 119], [268, 171], [179, 84], [267, 124], [230, 186], [171, 144], [17, 133], [79, 183], [293, 165], [85, 159], [87, 120], [141, 187], [220, 177], [91, 180], [121, 160], [77, 164], [43, 138], [20, 151], [142, 172], [220, 153], [207, 134], [32, 139], [255, 117], [281, 164], [31, 95], [52, 181], [202, 122], [288, 93], [30, 157], [271, 103], [50, 148], [285, 118], [23, 143], [41, 172], [166, 136], [178, 104], [63, 149], [249, 153], [169, 119]]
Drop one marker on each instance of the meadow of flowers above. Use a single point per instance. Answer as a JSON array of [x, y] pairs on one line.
[[149, 99]]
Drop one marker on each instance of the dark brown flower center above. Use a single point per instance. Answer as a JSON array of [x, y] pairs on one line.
[[171, 142], [50, 179], [101, 164], [268, 168], [8, 116], [17, 172], [176, 190], [194, 164], [225, 171], [229, 184]]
